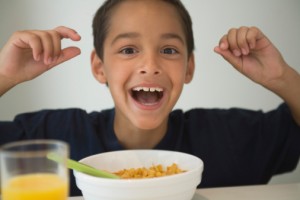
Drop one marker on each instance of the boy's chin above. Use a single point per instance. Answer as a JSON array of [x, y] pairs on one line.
[[149, 124]]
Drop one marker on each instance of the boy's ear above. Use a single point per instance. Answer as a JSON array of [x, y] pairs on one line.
[[98, 68], [190, 69]]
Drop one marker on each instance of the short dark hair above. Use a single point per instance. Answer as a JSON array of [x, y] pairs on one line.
[[102, 19]]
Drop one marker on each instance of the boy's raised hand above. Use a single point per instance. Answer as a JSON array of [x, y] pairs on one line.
[[252, 53], [27, 54]]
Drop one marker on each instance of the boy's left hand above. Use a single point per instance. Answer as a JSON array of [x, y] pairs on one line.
[[252, 53]]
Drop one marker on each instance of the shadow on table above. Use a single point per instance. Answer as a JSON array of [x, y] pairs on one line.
[[199, 197]]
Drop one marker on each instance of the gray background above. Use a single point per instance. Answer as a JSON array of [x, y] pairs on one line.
[[216, 83]]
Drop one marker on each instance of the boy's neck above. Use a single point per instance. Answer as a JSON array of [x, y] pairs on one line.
[[133, 138]]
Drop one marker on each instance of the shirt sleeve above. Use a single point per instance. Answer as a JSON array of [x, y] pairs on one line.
[[241, 146], [265, 143], [44, 124]]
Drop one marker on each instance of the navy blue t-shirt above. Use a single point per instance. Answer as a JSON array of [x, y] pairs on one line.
[[237, 146]]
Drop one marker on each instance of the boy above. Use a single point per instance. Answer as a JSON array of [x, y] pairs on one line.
[[144, 53]]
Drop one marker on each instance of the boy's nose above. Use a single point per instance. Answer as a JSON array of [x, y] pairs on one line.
[[150, 66], [149, 72]]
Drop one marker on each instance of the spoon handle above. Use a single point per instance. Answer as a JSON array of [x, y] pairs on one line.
[[77, 166]]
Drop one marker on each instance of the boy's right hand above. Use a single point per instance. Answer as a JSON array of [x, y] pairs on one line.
[[27, 54]]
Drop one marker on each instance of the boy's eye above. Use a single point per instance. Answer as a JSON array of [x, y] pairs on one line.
[[169, 51], [128, 51]]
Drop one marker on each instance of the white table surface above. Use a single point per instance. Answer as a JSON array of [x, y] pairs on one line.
[[259, 192]]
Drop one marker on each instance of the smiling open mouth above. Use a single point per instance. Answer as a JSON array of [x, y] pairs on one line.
[[147, 95]]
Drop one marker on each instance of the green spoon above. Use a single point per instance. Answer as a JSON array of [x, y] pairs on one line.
[[80, 167]]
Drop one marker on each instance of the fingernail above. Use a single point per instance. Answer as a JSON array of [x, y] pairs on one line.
[[222, 46], [244, 51], [236, 52], [50, 60], [54, 59], [38, 57]]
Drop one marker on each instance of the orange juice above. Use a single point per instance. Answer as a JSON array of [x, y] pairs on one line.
[[36, 187]]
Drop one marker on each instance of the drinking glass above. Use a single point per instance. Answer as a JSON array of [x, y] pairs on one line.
[[27, 173]]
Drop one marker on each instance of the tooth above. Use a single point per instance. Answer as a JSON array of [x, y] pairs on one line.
[[137, 89], [145, 89]]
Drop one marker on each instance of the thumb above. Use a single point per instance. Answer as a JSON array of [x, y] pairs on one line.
[[66, 54], [235, 61]]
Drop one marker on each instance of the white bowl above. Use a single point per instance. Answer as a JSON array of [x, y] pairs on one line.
[[174, 187]]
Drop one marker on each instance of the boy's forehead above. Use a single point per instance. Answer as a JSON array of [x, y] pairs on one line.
[[154, 15], [144, 8]]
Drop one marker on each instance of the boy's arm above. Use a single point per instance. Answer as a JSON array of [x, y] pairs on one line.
[[253, 54], [5, 85], [27, 54]]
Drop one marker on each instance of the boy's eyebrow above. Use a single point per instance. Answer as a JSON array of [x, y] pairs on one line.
[[136, 35], [125, 35], [173, 36]]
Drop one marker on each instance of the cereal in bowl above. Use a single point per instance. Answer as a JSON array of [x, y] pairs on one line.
[[151, 172]]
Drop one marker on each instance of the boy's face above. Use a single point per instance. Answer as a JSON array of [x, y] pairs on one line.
[[145, 62]]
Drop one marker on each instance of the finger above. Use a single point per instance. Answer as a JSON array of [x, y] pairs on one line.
[[252, 36], [66, 32], [52, 42], [25, 39], [56, 44], [48, 46], [242, 40], [66, 54], [232, 41], [229, 57], [223, 43]]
